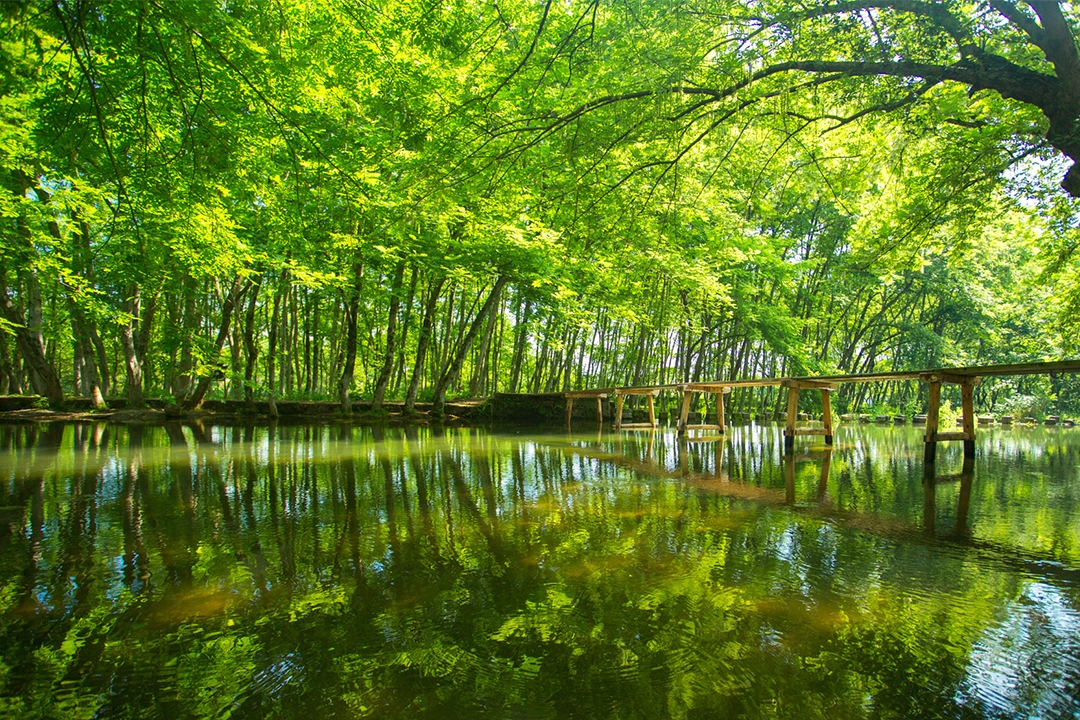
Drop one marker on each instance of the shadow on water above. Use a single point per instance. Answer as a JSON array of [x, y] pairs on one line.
[[333, 571]]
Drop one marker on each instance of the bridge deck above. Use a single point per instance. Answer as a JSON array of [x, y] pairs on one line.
[[966, 377]]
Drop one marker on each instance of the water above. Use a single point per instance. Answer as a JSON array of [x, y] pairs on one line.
[[332, 571]]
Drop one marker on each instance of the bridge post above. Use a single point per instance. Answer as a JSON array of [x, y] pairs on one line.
[[652, 411], [569, 409], [826, 415], [932, 412], [792, 417], [720, 411], [967, 391], [684, 410], [600, 409], [619, 399]]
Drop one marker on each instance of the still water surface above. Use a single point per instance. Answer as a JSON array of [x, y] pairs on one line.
[[335, 571]]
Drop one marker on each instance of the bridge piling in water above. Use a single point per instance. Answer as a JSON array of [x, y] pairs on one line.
[[790, 430], [932, 437], [688, 391]]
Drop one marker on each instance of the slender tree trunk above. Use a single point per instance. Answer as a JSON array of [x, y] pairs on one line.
[[451, 374], [391, 336], [480, 371], [181, 385], [132, 305], [251, 350], [352, 312], [426, 331], [271, 350], [406, 326], [234, 296]]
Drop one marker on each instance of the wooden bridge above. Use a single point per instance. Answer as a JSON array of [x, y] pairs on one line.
[[967, 378]]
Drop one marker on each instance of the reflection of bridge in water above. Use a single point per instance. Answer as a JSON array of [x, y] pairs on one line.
[[720, 482], [967, 378]]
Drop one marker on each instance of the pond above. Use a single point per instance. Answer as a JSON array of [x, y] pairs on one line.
[[321, 571]]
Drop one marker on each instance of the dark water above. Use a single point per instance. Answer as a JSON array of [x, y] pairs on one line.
[[325, 571]]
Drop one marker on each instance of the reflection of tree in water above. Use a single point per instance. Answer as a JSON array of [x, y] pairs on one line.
[[311, 571]]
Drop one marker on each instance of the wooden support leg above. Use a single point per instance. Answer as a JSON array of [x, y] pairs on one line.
[[932, 412], [789, 479], [792, 417], [967, 474], [826, 416], [569, 410], [967, 391], [929, 509], [652, 411], [823, 479], [720, 411], [684, 411], [599, 410], [619, 399]]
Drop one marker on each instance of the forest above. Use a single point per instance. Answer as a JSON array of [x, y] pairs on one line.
[[407, 200]]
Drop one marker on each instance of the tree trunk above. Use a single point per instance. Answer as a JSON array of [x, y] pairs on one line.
[[426, 331], [133, 359], [181, 384], [451, 374], [352, 312], [391, 335], [251, 350], [236, 292], [31, 348]]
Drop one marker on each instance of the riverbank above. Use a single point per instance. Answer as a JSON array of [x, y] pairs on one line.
[[29, 408]]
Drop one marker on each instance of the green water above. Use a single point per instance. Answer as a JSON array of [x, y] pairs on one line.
[[331, 571]]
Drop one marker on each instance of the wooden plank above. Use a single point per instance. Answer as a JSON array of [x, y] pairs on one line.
[[960, 376], [953, 436], [1037, 368], [950, 378], [650, 391], [807, 384], [637, 426], [586, 394], [708, 387]]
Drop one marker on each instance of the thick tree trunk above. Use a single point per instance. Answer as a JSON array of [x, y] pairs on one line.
[[452, 372], [30, 346]]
